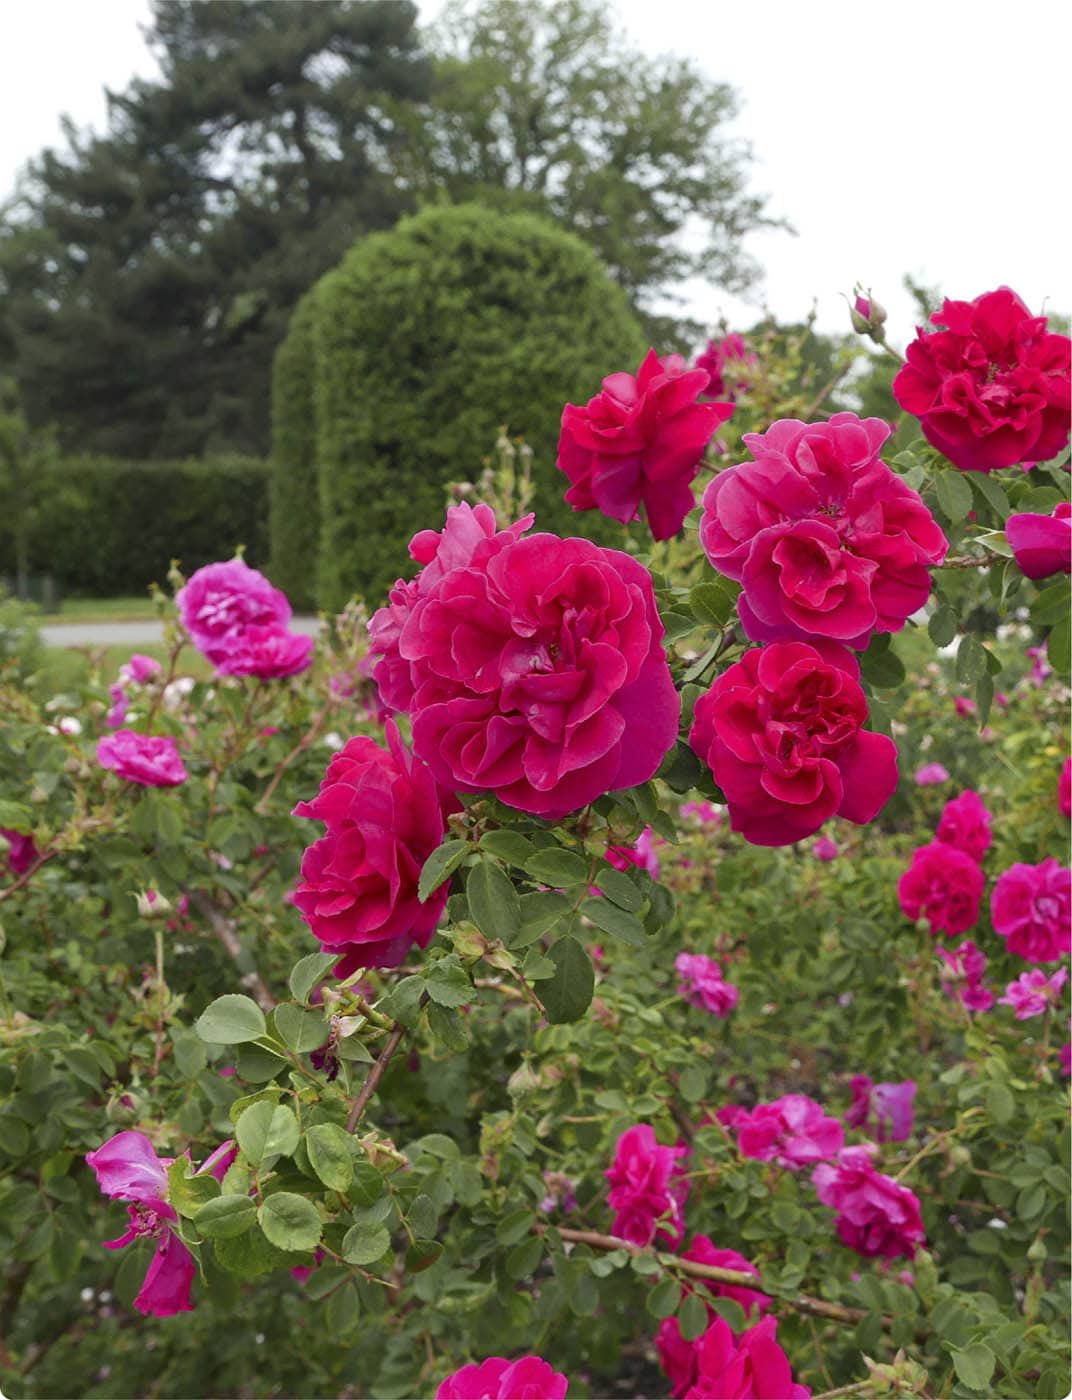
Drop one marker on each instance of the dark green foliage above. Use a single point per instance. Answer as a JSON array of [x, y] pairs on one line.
[[427, 340], [294, 491], [113, 527]]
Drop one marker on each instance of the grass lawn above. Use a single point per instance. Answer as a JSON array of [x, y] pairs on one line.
[[138, 609], [67, 668]]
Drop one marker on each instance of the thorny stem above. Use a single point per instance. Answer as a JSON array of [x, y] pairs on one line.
[[161, 997], [969, 561], [27, 875]]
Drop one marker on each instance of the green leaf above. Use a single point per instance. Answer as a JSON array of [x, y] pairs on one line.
[[1000, 1104], [493, 901], [188, 1193], [663, 1299], [711, 604], [290, 1221], [692, 1317], [515, 1226], [330, 1157], [440, 866], [558, 868], [300, 1030], [523, 1260], [403, 1002], [448, 1027], [231, 1020], [365, 1246], [730, 1311], [971, 659], [540, 911], [1059, 647], [681, 770], [226, 1217], [991, 493], [508, 845], [1051, 605], [567, 995], [954, 494], [307, 972], [615, 921], [882, 667], [447, 984], [265, 1130], [249, 1255], [422, 1254], [942, 625], [343, 1311], [618, 887], [974, 1365]]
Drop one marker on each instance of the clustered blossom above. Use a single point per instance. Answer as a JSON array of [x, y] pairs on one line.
[[825, 540], [883, 1110], [1042, 544], [1034, 993], [385, 815], [702, 984], [138, 671], [962, 976], [240, 622], [782, 731], [640, 442], [527, 1378], [723, 361], [151, 760], [793, 1131], [749, 1367], [877, 1216], [991, 389], [965, 825], [944, 886], [534, 669], [1031, 908], [648, 1191]]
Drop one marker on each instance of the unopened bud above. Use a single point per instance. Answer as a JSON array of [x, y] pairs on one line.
[[867, 315], [153, 905], [1037, 1251], [523, 1081], [959, 1155]]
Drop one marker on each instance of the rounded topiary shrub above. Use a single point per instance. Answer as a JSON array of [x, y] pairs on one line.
[[294, 499], [430, 337]]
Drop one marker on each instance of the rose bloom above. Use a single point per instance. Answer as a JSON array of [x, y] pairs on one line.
[[537, 672], [527, 1378], [882, 1109], [877, 1216], [965, 825], [21, 851], [825, 849], [1064, 789], [943, 885], [964, 707], [1033, 992], [268, 653], [825, 540], [749, 1367], [1042, 544], [931, 775], [962, 976], [385, 815], [992, 388], [782, 731], [647, 1192], [640, 442], [702, 984], [723, 361], [1031, 908], [642, 855], [151, 760], [221, 600], [792, 1131]]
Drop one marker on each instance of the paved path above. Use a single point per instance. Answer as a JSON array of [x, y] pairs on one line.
[[133, 634]]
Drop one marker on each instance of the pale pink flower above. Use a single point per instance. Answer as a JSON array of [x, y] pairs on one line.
[[1034, 993]]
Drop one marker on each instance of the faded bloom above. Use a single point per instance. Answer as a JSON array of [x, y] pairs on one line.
[[147, 759], [877, 1216], [962, 976], [1034, 993], [21, 851], [931, 775], [944, 886], [1031, 908], [1064, 789], [527, 1378], [647, 1190], [882, 1110], [792, 1131], [965, 825], [702, 984]]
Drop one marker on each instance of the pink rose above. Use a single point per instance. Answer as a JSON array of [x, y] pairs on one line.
[[992, 389], [151, 760], [702, 984], [21, 851], [931, 775], [723, 360], [965, 824], [749, 1367], [825, 540], [527, 1378], [1031, 908], [877, 1216], [639, 442], [706, 813], [1033, 992], [647, 1193], [962, 976], [385, 815], [943, 885], [782, 731], [964, 707], [267, 652], [139, 670], [884, 1110], [792, 1131], [221, 600], [1042, 544], [538, 673], [825, 849], [642, 855], [1064, 789]]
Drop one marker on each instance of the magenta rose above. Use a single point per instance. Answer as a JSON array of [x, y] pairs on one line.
[[782, 731], [527, 1378], [824, 539], [749, 1367], [883, 1110], [792, 1131], [877, 1216], [1031, 908], [648, 1191], [992, 388], [1064, 789], [148, 759], [1042, 544], [267, 652], [538, 673], [965, 824], [944, 886], [221, 600], [640, 442], [723, 360], [21, 850], [702, 984], [1033, 993], [962, 976], [385, 815]]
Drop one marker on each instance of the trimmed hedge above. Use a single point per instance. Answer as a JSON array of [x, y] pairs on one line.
[[112, 527], [294, 509], [427, 339]]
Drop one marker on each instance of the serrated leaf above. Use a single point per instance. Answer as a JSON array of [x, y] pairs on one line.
[[266, 1130], [942, 625], [440, 866], [493, 901], [567, 994], [558, 868], [615, 921], [307, 972], [447, 984], [330, 1157], [508, 845], [692, 1317], [954, 494], [290, 1221], [618, 888], [448, 1027], [663, 1299], [300, 1030], [974, 1365], [231, 1020]]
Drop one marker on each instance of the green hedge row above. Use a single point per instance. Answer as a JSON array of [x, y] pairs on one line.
[[109, 527], [424, 341]]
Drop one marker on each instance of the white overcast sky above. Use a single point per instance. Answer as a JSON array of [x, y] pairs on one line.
[[928, 137]]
